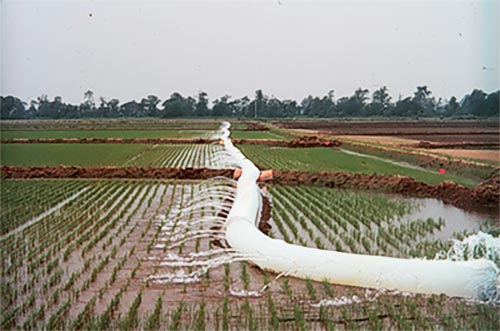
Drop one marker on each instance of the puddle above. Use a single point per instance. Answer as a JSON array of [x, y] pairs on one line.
[[457, 220]]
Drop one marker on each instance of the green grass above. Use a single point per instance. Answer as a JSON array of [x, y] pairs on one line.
[[33, 134], [325, 159], [68, 154]]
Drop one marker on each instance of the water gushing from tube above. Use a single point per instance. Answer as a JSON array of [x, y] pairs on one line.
[[476, 278]]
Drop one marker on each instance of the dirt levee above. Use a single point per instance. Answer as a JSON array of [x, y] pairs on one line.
[[299, 142], [112, 172]]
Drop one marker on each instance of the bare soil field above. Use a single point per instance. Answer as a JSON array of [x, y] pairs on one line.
[[438, 131], [480, 154]]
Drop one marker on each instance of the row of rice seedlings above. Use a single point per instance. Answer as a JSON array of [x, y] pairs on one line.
[[170, 203], [176, 155], [40, 196]]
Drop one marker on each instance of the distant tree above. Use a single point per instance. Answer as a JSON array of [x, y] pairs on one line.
[[475, 103], [240, 106], [491, 105], [44, 107], [406, 108], [103, 110], [354, 105], [131, 109], [149, 106], [259, 105], [452, 108], [222, 107], [87, 107], [423, 101], [32, 111], [381, 103], [290, 108], [178, 106], [275, 108], [114, 109], [12, 108], [201, 108]]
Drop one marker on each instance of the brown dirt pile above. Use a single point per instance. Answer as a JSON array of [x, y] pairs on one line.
[[467, 145], [301, 142], [107, 141], [485, 195], [112, 172], [255, 126]]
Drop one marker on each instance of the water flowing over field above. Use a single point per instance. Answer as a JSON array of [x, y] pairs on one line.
[[153, 254]]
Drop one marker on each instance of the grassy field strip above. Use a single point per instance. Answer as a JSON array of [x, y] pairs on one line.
[[401, 164], [43, 215], [319, 159], [69, 154]]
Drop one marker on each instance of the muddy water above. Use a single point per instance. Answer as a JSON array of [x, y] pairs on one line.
[[457, 220]]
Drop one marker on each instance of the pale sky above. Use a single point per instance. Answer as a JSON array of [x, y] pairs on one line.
[[290, 49]]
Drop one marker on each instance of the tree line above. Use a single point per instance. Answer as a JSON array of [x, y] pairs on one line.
[[361, 104]]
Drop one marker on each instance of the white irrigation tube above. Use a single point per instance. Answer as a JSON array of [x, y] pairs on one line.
[[477, 278]]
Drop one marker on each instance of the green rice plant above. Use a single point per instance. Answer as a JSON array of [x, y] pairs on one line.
[[285, 287], [175, 323], [245, 277], [310, 289], [154, 321], [131, 321]]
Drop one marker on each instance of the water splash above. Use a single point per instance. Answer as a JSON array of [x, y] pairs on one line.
[[475, 246]]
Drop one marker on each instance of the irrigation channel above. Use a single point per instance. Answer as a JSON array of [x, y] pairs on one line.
[[233, 223]]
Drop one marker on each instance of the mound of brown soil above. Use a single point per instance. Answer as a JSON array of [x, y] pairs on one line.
[[459, 145], [255, 126], [313, 141], [301, 142], [107, 141], [112, 172]]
